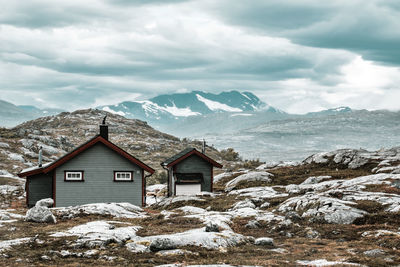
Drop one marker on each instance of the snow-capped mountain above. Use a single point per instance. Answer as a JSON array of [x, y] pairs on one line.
[[196, 103]]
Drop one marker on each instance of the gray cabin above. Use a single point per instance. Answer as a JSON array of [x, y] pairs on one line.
[[190, 172], [96, 171]]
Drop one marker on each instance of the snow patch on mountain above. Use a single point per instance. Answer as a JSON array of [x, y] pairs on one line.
[[113, 111], [180, 112], [214, 105]]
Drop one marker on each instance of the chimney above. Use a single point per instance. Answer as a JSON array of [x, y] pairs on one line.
[[104, 129], [203, 149], [40, 156]]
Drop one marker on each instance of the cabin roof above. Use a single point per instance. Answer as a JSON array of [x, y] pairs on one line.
[[97, 139], [186, 153]]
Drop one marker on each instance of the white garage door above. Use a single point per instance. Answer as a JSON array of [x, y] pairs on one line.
[[187, 189]]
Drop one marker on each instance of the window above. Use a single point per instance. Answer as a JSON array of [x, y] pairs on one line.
[[123, 176], [75, 176]]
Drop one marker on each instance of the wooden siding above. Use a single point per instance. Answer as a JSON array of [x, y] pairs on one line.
[[99, 163], [195, 164], [40, 187]]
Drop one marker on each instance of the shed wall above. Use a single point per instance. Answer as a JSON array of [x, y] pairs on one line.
[[195, 164], [98, 163], [40, 186]]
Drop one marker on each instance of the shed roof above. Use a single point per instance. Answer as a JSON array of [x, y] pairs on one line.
[[97, 139], [186, 153]]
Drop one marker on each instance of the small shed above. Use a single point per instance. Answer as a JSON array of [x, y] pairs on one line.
[[190, 172]]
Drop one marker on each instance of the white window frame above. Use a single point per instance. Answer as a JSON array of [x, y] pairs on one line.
[[128, 176], [79, 175]]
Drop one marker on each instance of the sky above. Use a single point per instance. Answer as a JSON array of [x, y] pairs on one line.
[[298, 55]]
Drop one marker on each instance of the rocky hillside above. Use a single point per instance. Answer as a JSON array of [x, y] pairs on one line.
[[61, 133], [340, 208]]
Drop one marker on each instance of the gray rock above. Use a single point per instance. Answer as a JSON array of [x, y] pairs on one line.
[[315, 179], [212, 227], [40, 214], [396, 184], [253, 224], [265, 205], [46, 202], [162, 243], [293, 216], [311, 233], [247, 203], [374, 252], [264, 241]]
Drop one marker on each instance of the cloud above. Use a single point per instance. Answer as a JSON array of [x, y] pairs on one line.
[[367, 28], [72, 54]]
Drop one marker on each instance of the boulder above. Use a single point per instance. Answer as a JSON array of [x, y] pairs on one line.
[[40, 214], [264, 241], [212, 227], [46, 202], [162, 243], [374, 252], [249, 177]]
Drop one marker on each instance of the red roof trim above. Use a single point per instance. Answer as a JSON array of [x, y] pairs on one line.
[[195, 152], [84, 147]]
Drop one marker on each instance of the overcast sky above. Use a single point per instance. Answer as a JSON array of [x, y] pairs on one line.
[[296, 55]]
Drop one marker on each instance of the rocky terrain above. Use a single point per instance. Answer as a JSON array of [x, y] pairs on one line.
[[340, 208], [61, 133]]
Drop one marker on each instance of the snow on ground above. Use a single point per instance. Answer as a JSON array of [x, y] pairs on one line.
[[248, 177], [7, 244], [119, 210]]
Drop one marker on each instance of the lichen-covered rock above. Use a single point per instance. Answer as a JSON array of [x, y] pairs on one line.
[[163, 243], [212, 227], [264, 241], [332, 210], [249, 177], [46, 202], [40, 214], [247, 203], [315, 179], [374, 252]]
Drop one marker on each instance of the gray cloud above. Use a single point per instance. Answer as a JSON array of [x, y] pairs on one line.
[[368, 28], [72, 54]]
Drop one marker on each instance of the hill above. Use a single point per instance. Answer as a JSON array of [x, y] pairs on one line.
[[60, 133]]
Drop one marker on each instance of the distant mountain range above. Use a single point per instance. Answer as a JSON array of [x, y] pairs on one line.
[[184, 114], [196, 103], [197, 112], [11, 115]]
